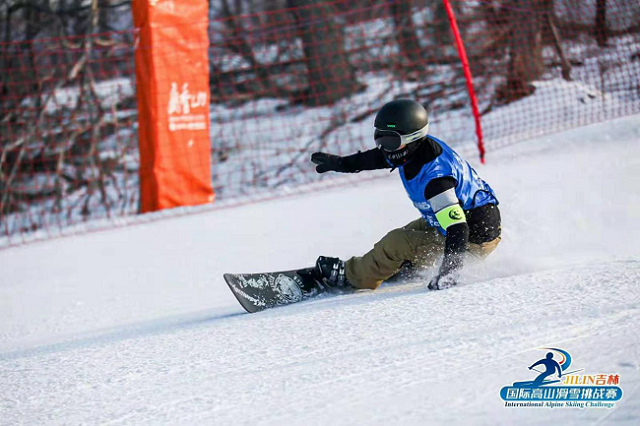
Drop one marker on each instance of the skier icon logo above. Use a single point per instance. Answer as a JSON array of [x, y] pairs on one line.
[[551, 366], [555, 363]]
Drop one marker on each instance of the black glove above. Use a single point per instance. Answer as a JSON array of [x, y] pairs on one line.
[[440, 283], [327, 162]]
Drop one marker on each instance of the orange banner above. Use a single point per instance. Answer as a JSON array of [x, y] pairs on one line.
[[172, 80]]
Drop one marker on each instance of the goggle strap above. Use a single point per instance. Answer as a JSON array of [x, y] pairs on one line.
[[415, 135], [411, 137]]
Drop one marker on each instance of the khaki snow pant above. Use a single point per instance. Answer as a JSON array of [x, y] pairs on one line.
[[415, 242]]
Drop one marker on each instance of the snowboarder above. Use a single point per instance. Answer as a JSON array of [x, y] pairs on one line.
[[551, 367], [459, 210]]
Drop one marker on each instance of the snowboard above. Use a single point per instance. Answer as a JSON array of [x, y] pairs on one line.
[[257, 292], [260, 291]]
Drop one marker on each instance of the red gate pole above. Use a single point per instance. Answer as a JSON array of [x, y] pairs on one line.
[[467, 75]]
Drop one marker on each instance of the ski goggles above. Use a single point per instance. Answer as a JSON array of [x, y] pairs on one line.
[[390, 140]]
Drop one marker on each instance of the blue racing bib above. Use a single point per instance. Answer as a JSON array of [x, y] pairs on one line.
[[470, 189]]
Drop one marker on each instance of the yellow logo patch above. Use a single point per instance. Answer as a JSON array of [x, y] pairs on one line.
[[455, 214]]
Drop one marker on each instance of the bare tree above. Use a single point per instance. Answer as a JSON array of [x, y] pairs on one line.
[[601, 23], [60, 142], [240, 45], [22, 27], [554, 34], [525, 48], [329, 74], [406, 34], [440, 29]]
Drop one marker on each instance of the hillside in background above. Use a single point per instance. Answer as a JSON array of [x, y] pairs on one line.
[[68, 110]]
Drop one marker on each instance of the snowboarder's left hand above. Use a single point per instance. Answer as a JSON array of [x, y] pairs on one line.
[[327, 162], [440, 283]]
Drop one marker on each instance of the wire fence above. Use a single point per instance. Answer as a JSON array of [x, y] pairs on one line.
[[286, 82]]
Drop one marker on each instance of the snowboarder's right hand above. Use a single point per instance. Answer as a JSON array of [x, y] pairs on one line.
[[443, 282], [327, 162]]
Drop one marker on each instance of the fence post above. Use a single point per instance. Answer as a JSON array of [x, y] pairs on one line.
[[172, 83], [467, 75]]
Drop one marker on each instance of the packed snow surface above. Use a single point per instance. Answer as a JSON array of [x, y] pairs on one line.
[[136, 325]]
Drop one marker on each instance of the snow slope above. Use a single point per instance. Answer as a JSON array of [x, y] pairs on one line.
[[136, 326]]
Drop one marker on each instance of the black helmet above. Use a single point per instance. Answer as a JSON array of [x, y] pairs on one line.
[[397, 124], [404, 116]]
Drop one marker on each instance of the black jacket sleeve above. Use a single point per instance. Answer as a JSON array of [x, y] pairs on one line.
[[438, 186], [372, 159], [454, 248], [457, 235]]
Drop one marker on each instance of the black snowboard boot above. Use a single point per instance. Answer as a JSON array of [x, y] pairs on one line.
[[331, 271]]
